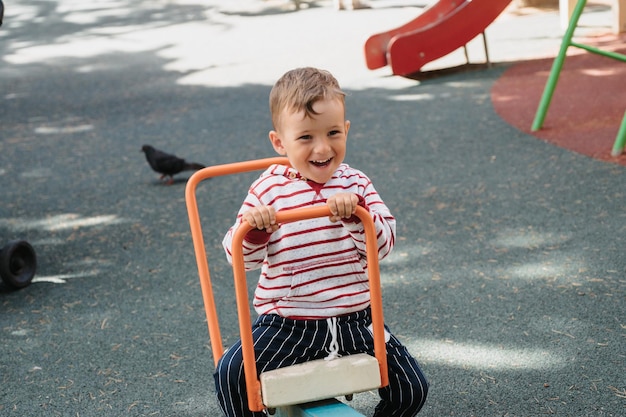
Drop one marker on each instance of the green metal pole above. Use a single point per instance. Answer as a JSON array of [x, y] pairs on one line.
[[598, 51], [557, 65], [620, 141]]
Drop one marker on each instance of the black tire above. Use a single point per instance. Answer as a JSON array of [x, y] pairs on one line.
[[18, 263]]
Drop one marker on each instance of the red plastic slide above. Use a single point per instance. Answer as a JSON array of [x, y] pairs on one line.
[[440, 29]]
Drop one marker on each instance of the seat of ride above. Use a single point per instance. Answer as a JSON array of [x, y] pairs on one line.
[[320, 379]]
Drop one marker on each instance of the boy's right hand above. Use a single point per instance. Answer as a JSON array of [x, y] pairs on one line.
[[262, 218]]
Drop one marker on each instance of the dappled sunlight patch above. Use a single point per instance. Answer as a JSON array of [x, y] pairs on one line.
[[397, 279], [60, 222], [404, 253], [62, 278], [599, 72], [106, 30], [74, 48], [65, 126], [542, 270], [52, 130], [464, 84], [86, 17], [198, 43], [412, 97], [48, 241], [555, 264], [36, 173], [483, 356], [89, 262], [528, 238]]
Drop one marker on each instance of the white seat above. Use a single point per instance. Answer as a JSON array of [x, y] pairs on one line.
[[319, 379]]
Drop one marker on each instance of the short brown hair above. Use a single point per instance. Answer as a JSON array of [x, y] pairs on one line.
[[299, 89]]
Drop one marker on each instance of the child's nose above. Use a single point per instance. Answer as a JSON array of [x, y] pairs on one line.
[[322, 145]]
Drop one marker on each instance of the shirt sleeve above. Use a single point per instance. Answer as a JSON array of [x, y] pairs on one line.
[[384, 223], [254, 244]]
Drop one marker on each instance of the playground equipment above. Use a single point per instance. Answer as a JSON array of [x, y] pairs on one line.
[[557, 65], [439, 30], [18, 264], [306, 389]]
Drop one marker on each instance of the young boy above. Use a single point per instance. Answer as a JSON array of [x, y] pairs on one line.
[[313, 279]]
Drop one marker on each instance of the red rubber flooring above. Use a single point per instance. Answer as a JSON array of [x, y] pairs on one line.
[[588, 103]]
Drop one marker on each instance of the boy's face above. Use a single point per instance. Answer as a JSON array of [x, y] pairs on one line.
[[315, 146]]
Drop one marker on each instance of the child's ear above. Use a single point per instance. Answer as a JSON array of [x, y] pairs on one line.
[[277, 143], [347, 126]]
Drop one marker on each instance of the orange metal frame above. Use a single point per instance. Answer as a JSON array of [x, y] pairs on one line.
[[255, 400]]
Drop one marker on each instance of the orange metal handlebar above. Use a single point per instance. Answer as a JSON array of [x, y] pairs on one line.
[[255, 401], [247, 345]]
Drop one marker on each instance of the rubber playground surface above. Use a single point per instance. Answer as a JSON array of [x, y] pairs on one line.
[[587, 106], [507, 281]]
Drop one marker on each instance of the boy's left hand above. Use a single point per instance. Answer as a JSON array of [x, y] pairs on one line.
[[342, 206]]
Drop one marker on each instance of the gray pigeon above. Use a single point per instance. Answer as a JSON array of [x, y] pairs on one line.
[[167, 165]]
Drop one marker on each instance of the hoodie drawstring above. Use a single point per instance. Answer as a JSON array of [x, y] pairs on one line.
[[333, 348]]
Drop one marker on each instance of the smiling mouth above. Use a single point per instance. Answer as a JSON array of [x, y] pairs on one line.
[[322, 163]]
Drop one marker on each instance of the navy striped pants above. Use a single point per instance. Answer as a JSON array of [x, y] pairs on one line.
[[281, 342]]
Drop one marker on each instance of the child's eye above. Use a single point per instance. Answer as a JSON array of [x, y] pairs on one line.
[[305, 137], [334, 132]]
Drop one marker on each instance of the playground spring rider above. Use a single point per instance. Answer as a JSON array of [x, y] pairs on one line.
[[294, 390]]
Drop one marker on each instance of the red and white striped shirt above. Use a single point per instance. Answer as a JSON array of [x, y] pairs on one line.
[[312, 268]]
